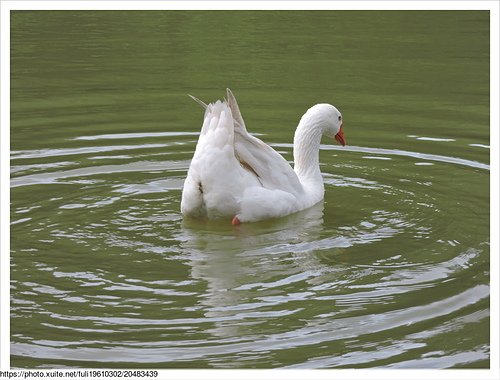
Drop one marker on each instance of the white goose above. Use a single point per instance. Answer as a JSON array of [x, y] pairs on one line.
[[235, 175]]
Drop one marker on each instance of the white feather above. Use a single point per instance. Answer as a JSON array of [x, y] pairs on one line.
[[234, 174]]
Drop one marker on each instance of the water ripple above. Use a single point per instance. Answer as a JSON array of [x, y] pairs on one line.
[[397, 152], [337, 274]]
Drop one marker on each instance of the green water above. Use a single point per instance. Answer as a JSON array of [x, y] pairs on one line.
[[392, 270]]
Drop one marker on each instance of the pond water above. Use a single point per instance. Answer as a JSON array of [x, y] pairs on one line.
[[391, 270]]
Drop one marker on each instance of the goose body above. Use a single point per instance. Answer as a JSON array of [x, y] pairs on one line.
[[235, 175]]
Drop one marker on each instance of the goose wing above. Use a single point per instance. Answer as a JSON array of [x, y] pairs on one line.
[[270, 168]]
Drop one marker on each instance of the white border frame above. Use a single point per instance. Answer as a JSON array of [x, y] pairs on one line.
[[492, 5]]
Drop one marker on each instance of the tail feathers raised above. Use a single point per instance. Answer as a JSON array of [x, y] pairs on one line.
[[216, 109], [200, 102]]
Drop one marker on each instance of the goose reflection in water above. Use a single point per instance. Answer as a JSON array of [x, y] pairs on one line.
[[244, 264]]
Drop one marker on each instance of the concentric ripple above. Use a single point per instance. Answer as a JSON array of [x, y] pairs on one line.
[[385, 272]]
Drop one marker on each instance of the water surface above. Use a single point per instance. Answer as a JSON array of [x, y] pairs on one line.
[[391, 270]]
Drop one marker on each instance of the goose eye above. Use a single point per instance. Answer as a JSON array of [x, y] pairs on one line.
[[340, 118]]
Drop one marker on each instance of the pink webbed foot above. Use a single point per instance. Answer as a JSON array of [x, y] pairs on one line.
[[235, 221]]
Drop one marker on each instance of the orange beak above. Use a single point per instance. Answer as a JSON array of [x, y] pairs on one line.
[[340, 137]]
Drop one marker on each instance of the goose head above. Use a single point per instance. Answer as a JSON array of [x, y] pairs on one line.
[[328, 119]]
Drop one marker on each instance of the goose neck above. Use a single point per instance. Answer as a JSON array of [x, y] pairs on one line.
[[306, 145]]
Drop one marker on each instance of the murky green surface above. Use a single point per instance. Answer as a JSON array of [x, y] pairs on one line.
[[391, 271]]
